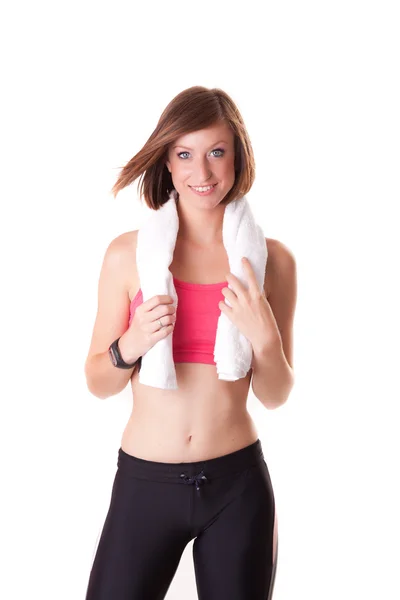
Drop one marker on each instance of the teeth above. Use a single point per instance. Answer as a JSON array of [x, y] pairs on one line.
[[203, 189]]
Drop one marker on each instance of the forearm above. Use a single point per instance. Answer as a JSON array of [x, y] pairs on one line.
[[103, 378], [273, 378]]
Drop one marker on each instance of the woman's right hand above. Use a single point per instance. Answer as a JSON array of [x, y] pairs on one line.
[[145, 330]]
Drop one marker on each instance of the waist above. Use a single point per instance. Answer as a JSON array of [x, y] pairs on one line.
[[219, 466], [175, 441]]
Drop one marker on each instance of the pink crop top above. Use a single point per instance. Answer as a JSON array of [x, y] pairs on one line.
[[193, 337]]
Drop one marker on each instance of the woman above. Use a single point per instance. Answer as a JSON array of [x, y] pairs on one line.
[[200, 434]]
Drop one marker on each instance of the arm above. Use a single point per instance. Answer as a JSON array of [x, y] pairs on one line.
[[103, 379], [273, 375]]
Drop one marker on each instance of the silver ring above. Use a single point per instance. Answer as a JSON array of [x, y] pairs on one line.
[[159, 320]]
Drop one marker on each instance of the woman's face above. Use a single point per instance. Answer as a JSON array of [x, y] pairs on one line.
[[203, 158]]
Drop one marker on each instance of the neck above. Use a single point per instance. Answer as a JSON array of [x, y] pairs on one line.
[[200, 227]]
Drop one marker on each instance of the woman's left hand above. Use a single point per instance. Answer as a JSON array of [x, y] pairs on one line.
[[250, 311]]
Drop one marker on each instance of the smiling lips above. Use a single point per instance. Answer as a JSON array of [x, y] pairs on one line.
[[203, 190]]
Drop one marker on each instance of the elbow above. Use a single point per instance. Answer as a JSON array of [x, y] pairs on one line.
[[272, 403], [91, 384], [94, 391]]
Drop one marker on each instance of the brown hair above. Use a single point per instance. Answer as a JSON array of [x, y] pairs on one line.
[[194, 108]]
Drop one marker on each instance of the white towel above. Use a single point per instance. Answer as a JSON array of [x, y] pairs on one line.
[[241, 236]]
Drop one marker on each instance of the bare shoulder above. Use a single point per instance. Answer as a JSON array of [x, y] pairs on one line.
[[120, 255], [123, 245], [281, 264]]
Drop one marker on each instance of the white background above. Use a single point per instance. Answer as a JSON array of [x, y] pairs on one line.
[[317, 83]]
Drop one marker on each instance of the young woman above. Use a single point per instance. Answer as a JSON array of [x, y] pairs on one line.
[[200, 434]]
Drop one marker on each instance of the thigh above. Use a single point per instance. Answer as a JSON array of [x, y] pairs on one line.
[[235, 557], [142, 540]]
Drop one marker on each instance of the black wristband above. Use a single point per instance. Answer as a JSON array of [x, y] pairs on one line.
[[116, 358]]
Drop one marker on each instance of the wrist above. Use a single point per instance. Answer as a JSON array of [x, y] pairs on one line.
[[126, 353]]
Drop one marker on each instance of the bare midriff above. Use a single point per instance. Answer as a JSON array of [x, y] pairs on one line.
[[204, 418]]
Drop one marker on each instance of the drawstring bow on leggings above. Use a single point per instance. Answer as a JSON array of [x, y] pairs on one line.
[[197, 479]]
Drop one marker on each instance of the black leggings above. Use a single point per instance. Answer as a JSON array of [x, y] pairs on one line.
[[226, 504]]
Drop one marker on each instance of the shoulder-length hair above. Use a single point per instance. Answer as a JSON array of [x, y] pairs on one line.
[[192, 109]]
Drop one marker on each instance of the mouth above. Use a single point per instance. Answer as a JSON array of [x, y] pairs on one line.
[[203, 190]]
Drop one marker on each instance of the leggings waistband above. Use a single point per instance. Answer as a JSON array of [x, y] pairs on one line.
[[192, 472]]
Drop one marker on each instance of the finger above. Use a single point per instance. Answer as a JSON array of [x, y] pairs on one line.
[[156, 301], [163, 321], [157, 329], [224, 308], [163, 331], [235, 284], [229, 295], [250, 275]]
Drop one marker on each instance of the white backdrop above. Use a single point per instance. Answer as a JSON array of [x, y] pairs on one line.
[[317, 83]]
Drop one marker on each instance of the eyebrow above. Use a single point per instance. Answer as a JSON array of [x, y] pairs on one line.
[[187, 148]]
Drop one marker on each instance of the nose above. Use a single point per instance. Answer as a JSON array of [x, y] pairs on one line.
[[202, 172]]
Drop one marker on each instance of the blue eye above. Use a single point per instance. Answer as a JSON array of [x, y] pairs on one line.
[[221, 150]]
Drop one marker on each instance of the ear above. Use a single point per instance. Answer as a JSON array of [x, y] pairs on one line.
[[168, 165]]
